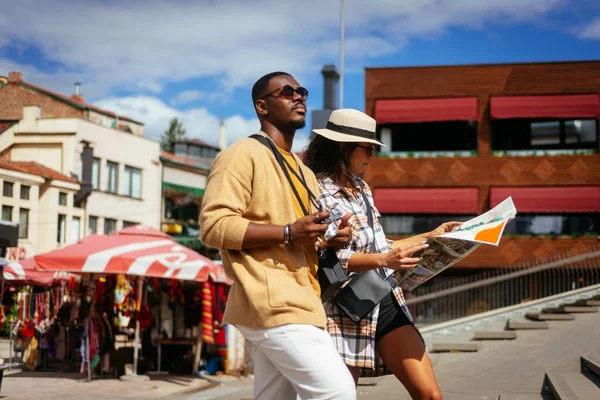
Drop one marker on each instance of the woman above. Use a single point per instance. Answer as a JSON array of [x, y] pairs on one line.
[[386, 340]]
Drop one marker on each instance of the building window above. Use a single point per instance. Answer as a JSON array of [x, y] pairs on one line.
[[62, 199], [92, 225], [96, 174], [416, 223], [110, 226], [75, 229], [526, 134], [61, 233], [7, 213], [556, 224], [195, 151], [133, 182], [181, 149], [23, 223], [112, 170], [127, 224], [452, 136], [7, 189], [25, 191]]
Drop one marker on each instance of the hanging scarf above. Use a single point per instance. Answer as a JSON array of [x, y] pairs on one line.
[[207, 316]]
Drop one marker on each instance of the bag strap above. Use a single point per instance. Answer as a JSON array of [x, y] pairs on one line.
[[369, 218], [371, 225], [286, 167]]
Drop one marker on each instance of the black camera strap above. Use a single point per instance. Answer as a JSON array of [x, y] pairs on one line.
[[372, 226], [286, 167]]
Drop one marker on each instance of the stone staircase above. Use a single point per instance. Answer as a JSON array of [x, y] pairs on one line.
[[582, 385], [531, 320]]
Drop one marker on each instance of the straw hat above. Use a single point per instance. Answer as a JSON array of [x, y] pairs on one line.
[[348, 125]]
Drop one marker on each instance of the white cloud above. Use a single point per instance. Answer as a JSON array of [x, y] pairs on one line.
[[198, 122], [144, 45], [187, 96], [592, 31]]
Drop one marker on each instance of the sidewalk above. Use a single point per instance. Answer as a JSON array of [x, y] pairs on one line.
[[56, 385]]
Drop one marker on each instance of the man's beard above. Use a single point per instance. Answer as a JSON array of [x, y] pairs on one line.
[[295, 125]]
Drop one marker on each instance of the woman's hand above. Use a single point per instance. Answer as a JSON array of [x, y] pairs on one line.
[[399, 257], [444, 228]]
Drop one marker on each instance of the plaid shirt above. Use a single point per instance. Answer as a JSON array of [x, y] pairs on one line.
[[356, 341]]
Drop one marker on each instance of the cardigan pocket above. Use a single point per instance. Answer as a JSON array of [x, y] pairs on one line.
[[290, 289]]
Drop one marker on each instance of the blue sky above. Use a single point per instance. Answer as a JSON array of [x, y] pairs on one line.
[[197, 60]]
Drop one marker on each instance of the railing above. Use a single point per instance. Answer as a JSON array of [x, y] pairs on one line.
[[461, 297]]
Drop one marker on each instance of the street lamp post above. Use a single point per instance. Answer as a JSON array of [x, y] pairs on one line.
[[342, 28]]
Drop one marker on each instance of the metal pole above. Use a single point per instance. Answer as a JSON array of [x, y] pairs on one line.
[[136, 342], [342, 28], [10, 344], [87, 344]]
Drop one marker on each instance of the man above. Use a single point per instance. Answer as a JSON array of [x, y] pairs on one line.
[[266, 227]]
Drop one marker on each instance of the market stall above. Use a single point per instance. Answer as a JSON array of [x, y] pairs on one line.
[[139, 251]]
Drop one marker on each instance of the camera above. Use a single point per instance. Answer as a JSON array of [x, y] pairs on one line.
[[332, 227]]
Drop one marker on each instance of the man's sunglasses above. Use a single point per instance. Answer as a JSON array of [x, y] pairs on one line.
[[370, 149], [287, 92]]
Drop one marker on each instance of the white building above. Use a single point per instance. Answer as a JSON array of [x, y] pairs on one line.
[[121, 180], [40, 200]]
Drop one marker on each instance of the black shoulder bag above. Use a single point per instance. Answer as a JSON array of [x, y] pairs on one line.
[[331, 274], [366, 289]]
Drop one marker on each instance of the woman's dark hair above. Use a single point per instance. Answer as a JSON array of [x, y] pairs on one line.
[[329, 159]]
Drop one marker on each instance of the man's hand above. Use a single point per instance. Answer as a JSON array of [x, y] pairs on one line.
[[307, 229], [342, 239]]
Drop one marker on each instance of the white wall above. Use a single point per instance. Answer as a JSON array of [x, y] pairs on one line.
[[184, 178], [124, 149]]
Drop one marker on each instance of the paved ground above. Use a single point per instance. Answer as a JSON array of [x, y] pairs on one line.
[[517, 366]]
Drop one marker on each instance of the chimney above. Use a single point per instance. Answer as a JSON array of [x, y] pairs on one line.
[[330, 79], [15, 77], [77, 96]]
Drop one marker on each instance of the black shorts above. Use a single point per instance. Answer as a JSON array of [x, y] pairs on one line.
[[391, 316]]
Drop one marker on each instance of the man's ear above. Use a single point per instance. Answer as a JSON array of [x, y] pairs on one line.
[[261, 107]]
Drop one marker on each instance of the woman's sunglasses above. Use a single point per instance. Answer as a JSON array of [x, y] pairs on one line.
[[287, 92], [370, 149]]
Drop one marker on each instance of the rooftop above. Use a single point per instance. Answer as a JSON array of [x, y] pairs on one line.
[[33, 168], [74, 100], [197, 142], [190, 162]]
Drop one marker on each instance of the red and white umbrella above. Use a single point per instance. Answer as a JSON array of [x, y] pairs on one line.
[[23, 273], [137, 250]]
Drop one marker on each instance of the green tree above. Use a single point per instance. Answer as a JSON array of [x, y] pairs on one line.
[[170, 136]]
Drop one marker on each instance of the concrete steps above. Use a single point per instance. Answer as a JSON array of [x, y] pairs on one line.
[[534, 316], [591, 364], [494, 335], [517, 324], [578, 309], [591, 303], [570, 386], [439, 347]]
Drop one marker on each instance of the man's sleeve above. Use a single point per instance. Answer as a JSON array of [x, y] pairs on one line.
[[225, 201]]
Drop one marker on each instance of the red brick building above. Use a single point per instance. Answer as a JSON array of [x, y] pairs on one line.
[[462, 138]]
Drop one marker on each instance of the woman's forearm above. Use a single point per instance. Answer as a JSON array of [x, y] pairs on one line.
[[412, 241], [365, 262]]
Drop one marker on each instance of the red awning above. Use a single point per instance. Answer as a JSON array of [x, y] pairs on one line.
[[559, 106], [571, 199], [426, 110], [137, 250], [426, 201]]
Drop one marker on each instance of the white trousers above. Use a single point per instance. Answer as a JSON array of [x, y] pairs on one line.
[[298, 361]]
